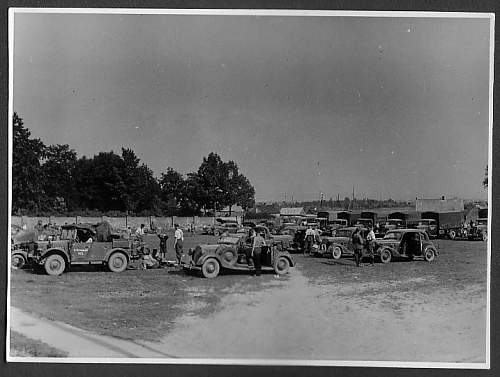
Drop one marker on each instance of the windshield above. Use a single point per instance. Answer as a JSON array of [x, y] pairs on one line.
[[394, 222], [343, 233], [228, 240], [393, 236]]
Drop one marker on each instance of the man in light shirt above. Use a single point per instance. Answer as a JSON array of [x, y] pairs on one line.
[[179, 239], [370, 244], [140, 231], [309, 240]]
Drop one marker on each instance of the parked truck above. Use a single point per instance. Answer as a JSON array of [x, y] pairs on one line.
[[350, 217], [366, 219], [443, 224]]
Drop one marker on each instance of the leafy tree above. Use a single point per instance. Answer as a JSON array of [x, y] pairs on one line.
[[213, 182], [58, 180], [140, 190], [239, 189], [172, 189], [221, 184], [27, 188]]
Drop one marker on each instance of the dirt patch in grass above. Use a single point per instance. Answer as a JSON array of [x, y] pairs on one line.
[[22, 346], [133, 305]]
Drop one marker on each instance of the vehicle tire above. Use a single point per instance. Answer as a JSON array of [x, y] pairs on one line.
[[281, 265], [429, 254], [452, 234], [484, 236], [210, 268], [216, 233], [17, 261], [385, 256], [117, 262], [54, 265], [336, 252]]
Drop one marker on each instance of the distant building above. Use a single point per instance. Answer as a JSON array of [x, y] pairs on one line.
[[294, 211], [236, 211], [439, 205]]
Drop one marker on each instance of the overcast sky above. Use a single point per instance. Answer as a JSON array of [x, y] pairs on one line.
[[397, 107]]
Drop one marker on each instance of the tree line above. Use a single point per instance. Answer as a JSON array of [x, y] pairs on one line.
[[52, 179]]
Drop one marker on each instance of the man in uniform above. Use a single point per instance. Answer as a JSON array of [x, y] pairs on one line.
[[357, 244], [179, 240], [370, 244]]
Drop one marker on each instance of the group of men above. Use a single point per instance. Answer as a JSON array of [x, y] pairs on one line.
[[154, 260], [360, 243], [254, 253]]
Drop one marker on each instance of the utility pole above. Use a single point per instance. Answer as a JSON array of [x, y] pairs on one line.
[[353, 197]]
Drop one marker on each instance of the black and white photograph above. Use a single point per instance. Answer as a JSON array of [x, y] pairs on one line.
[[250, 187]]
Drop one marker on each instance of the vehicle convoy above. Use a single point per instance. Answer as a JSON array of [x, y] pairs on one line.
[[405, 243], [223, 226], [340, 245], [442, 224], [230, 253], [350, 217], [76, 246]]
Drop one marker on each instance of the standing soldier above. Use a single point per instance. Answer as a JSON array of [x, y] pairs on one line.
[[309, 240], [357, 244], [179, 239], [370, 245]]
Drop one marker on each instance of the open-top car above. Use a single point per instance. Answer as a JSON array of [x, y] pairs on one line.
[[405, 243], [339, 245], [80, 244], [230, 253]]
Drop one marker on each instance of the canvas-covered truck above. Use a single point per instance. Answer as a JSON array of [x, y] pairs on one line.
[[349, 216], [367, 219], [443, 224]]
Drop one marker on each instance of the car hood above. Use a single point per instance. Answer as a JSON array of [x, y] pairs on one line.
[[387, 242], [336, 239]]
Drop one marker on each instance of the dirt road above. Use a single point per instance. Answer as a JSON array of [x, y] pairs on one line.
[[294, 319], [298, 320]]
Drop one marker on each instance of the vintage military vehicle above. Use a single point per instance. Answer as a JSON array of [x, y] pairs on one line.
[[339, 245], [230, 253], [405, 243], [22, 242], [80, 244]]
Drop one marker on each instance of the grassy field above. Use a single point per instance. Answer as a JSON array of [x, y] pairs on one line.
[[145, 305], [135, 304], [21, 346]]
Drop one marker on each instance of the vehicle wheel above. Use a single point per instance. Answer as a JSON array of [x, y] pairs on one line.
[[117, 262], [484, 236], [281, 265], [385, 256], [210, 268], [429, 254], [336, 252], [17, 261], [452, 234], [216, 233], [54, 265]]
